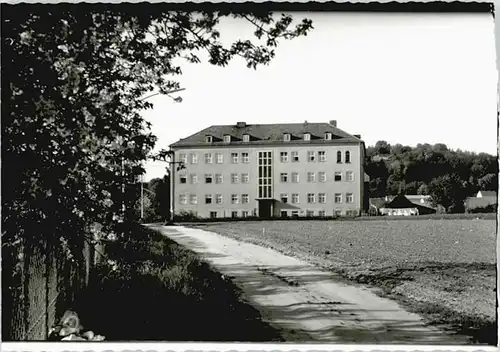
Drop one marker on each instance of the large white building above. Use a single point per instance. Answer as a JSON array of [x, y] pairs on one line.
[[269, 170]]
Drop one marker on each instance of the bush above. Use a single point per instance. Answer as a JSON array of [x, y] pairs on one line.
[[162, 291], [492, 208]]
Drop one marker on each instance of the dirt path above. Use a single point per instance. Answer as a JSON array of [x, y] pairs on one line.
[[306, 303]]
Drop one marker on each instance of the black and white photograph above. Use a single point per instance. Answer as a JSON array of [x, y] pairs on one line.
[[263, 173]]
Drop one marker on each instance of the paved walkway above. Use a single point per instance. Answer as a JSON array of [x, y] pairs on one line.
[[306, 303]]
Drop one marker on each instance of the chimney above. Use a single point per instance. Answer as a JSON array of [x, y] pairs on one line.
[[241, 124], [333, 123], [358, 136]]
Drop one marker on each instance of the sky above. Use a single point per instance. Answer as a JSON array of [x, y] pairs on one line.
[[403, 78]]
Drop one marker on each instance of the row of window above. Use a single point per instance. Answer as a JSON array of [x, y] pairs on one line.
[[244, 157], [311, 198], [285, 177], [313, 156], [287, 137], [285, 213], [311, 176], [319, 198], [211, 199]]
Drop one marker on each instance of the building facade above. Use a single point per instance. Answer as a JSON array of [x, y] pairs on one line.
[[273, 170]]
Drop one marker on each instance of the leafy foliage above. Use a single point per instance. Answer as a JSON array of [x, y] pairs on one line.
[[73, 137], [449, 176]]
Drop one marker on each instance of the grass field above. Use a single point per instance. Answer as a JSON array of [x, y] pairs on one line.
[[444, 269]]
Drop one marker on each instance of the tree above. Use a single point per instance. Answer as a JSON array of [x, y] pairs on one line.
[[488, 182], [448, 191], [382, 148], [161, 199], [75, 82]]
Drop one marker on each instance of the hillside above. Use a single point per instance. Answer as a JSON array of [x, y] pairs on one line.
[[448, 175]]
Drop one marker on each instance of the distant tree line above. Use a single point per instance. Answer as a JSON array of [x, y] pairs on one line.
[[448, 176]]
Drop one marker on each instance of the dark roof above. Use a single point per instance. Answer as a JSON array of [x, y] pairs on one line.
[[269, 133], [401, 202]]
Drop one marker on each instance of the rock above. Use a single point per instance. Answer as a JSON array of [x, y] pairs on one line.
[[73, 337], [89, 335]]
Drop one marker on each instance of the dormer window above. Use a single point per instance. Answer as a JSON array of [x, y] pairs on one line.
[[246, 138], [208, 139], [307, 136], [227, 138], [328, 136], [287, 137]]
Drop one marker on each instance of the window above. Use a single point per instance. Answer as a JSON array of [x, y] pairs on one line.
[[349, 198], [321, 213], [244, 158], [295, 177], [234, 199], [284, 157], [208, 178], [218, 198], [234, 158], [295, 198], [337, 176], [194, 158], [244, 213], [219, 158], [227, 138], [287, 137], [310, 213], [310, 156], [213, 214], [338, 198], [246, 138], [348, 157], [208, 158], [234, 178], [322, 156], [339, 157], [218, 178], [295, 213], [349, 175], [338, 212], [322, 176], [284, 198], [234, 214], [183, 158], [322, 198], [295, 157], [193, 179], [307, 136], [244, 199], [265, 176], [284, 214], [284, 177], [245, 178], [193, 199], [183, 178], [311, 177], [328, 136], [208, 199], [311, 198], [208, 139], [182, 199]]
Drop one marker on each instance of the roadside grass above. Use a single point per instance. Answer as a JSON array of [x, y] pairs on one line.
[[444, 270], [162, 291]]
